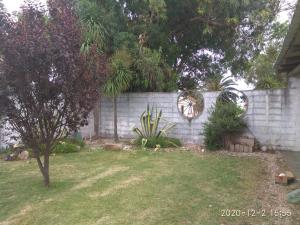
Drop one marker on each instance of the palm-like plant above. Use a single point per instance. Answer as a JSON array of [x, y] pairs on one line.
[[225, 86], [218, 83], [95, 34], [95, 38], [119, 81]]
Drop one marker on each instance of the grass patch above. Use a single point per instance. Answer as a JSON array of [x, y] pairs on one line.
[[131, 188]]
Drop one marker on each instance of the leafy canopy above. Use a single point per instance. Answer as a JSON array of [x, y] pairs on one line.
[[193, 38], [120, 73], [261, 71]]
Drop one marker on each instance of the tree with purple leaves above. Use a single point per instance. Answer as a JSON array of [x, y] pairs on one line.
[[48, 86]]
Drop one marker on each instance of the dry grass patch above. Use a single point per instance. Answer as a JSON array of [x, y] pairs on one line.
[[122, 185], [15, 219], [94, 179]]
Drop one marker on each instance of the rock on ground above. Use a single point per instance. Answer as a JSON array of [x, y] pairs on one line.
[[294, 197]]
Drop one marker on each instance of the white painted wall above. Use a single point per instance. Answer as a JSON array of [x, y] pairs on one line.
[[273, 116]]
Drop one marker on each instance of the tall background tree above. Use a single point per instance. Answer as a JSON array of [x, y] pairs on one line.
[[192, 39], [261, 72], [47, 85], [204, 37]]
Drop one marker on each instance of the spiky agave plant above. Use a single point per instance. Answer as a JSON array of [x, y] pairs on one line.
[[150, 121]]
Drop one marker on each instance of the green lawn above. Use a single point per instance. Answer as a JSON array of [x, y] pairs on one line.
[[130, 188]]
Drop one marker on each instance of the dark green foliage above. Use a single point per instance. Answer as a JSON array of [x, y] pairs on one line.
[[120, 74], [261, 71], [271, 82], [163, 142], [108, 25], [152, 73], [5, 150], [188, 82], [193, 37], [77, 136], [225, 119], [67, 145], [183, 29], [76, 141]]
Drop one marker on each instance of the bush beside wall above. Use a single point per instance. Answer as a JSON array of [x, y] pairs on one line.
[[225, 119]]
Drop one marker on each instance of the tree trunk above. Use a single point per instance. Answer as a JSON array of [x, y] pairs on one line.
[[44, 168], [97, 118], [115, 120]]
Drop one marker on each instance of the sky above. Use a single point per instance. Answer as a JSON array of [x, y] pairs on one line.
[[14, 5]]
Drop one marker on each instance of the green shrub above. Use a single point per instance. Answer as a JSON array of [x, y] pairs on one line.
[[163, 142], [225, 119], [6, 150], [76, 138], [270, 82], [68, 145], [78, 142]]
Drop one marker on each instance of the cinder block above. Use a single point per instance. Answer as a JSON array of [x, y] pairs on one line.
[[236, 147], [259, 111], [260, 118], [275, 118], [259, 104], [259, 99], [259, 92], [251, 149], [275, 112], [246, 141], [242, 148], [275, 104]]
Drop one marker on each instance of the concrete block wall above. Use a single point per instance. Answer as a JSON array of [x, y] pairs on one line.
[[2, 144], [295, 101], [132, 105], [273, 116]]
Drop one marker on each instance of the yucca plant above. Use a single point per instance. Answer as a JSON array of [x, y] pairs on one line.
[[150, 121]]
